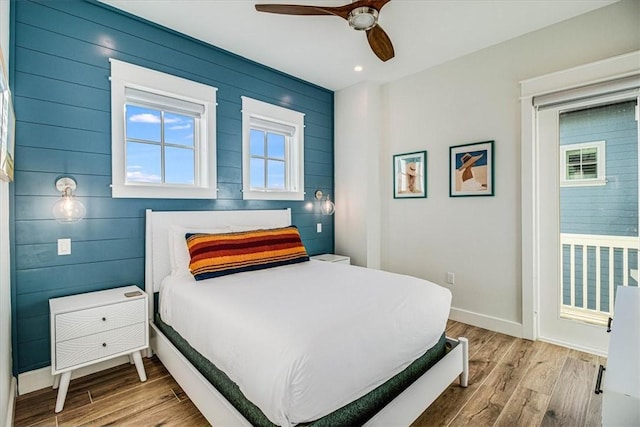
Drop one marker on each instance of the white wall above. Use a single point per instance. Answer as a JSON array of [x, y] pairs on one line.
[[358, 145], [471, 99], [5, 288]]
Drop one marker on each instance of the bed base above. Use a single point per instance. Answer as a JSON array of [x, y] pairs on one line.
[[401, 411]]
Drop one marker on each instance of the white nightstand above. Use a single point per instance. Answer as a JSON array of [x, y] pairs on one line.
[[340, 259], [94, 327], [621, 385]]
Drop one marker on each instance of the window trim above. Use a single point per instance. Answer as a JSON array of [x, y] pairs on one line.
[[125, 75], [294, 151], [601, 178]]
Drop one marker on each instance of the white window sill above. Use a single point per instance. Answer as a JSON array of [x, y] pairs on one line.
[[272, 195], [584, 183], [162, 192]]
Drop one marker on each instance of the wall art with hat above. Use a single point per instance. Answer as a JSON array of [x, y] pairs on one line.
[[471, 170], [410, 175]]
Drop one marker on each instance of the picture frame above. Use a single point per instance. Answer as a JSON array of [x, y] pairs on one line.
[[410, 175], [471, 169], [7, 126]]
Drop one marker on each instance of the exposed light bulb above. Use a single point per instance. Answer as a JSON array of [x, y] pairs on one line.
[[328, 207], [68, 209]]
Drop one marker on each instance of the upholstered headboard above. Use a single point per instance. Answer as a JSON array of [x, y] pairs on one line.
[[157, 262]]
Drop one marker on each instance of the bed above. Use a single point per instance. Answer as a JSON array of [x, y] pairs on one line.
[[276, 379]]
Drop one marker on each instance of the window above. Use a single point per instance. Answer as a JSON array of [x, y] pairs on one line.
[[583, 164], [163, 135], [273, 152]]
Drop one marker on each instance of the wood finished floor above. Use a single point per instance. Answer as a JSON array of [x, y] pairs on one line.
[[512, 382]]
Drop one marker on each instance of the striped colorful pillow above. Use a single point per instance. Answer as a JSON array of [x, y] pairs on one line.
[[214, 255]]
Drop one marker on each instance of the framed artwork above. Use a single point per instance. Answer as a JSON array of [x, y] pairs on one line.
[[410, 175], [7, 126], [471, 170]]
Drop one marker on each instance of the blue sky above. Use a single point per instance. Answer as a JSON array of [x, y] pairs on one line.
[[144, 128], [144, 134], [269, 153]]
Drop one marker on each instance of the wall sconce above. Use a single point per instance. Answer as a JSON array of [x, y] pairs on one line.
[[327, 207], [68, 209]]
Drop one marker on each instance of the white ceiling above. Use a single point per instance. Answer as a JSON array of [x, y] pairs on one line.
[[324, 50]]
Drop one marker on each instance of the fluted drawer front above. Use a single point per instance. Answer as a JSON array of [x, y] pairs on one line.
[[96, 346], [80, 323]]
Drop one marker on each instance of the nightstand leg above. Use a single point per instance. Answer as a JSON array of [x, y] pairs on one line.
[[137, 359], [56, 381], [62, 390]]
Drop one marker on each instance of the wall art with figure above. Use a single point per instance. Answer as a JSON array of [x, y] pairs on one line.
[[410, 175], [471, 169]]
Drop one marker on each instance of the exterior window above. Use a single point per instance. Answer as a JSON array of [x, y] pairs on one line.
[[163, 135], [273, 152], [268, 163], [583, 164]]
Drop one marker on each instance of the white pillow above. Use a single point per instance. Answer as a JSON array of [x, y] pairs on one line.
[[178, 251], [240, 228]]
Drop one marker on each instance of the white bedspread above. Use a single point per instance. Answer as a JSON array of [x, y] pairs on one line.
[[305, 339]]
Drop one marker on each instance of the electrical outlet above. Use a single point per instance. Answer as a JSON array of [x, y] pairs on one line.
[[319, 227], [64, 246], [451, 278]]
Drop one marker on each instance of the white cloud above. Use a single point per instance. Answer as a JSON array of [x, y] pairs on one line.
[[139, 176], [145, 118], [180, 127]]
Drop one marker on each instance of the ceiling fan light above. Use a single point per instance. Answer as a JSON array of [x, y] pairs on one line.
[[363, 18]]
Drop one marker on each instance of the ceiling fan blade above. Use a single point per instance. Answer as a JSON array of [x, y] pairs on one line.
[[292, 9], [343, 11], [376, 4], [380, 43]]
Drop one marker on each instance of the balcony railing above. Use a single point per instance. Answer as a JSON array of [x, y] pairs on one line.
[[591, 268]]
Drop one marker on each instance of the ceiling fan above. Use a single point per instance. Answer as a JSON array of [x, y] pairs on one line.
[[362, 15]]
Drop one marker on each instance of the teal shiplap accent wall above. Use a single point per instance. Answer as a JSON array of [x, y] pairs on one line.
[[62, 104]]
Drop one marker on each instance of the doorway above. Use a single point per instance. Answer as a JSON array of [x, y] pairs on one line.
[[588, 216]]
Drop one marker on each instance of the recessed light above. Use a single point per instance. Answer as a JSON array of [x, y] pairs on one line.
[[358, 68]]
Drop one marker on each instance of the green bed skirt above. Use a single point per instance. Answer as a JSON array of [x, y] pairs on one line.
[[355, 413]]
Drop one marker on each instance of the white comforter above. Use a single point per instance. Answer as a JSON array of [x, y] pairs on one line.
[[303, 340]]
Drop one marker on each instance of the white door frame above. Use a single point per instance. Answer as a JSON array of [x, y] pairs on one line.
[[582, 81]]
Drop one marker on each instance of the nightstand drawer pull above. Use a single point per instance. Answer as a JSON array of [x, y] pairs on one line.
[[104, 344], [601, 370], [75, 324]]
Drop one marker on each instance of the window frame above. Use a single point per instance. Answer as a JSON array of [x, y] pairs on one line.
[[273, 118], [128, 76], [601, 178]]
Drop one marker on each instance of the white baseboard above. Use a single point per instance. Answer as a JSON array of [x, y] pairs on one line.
[[496, 324], [585, 349], [11, 402], [42, 378]]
